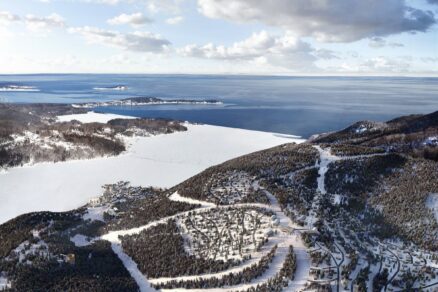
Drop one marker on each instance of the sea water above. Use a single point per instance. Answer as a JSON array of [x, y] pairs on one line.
[[291, 105]]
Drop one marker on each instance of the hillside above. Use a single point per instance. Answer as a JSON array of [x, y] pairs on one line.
[[415, 135], [32, 133], [354, 209]]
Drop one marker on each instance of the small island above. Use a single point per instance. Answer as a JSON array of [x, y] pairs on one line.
[[141, 101], [116, 88], [18, 88]]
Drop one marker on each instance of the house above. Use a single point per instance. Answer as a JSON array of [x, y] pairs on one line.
[[70, 259], [94, 202]]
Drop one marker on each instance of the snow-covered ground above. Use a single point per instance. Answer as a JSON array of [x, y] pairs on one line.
[[162, 161], [132, 268], [325, 159], [178, 198], [4, 283], [80, 240], [91, 117], [95, 213], [432, 204], [284, 239]]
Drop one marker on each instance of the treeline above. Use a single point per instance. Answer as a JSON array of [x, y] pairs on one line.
[[276, 161], [146, 210], [256, 196], [282, 278], [96, 268], [402, 197], [152, 126], [430, 153], [355, 177], [396, 185], [159, 252], [405, 135], [354, 150], [297, 191], [22, 153], [18, 117], [18, 230], [245, 276]]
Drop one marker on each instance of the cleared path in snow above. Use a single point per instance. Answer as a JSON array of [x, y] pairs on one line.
[[284, 239]]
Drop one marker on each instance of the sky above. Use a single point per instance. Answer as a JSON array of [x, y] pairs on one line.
[[266, 37]]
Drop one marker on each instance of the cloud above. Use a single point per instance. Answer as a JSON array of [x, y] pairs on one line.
[[385, 65], [378, 42], [109, 2], [168, 6], [430, 59], [32, 22], [326, 54], [254, 46], [7, 17], [174, 20], [284, 51], [381, 65], [134, 19], [36, 23], [154, 6], [136, 41], [327, 21], [433, 1]]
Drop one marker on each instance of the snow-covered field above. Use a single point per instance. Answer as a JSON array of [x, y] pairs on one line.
[[90, 117], [162, 161]]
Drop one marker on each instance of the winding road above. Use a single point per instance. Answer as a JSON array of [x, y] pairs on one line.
[[283, 239]]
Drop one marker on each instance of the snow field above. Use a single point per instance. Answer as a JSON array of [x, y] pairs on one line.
[[160, 161]]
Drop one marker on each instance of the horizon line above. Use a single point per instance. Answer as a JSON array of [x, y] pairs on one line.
[[227, 74]]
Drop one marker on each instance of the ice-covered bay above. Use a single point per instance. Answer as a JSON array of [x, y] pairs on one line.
[[162, 161]]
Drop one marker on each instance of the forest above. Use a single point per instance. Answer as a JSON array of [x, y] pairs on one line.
[[31, 134]]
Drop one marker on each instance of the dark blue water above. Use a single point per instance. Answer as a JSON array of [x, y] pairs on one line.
[[294, 105]]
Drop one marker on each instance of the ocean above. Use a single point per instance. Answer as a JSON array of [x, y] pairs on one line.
[[291, 105]]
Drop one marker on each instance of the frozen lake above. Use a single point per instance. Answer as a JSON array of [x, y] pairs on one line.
[[161, 161]]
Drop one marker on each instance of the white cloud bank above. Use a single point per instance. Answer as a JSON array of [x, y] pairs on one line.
[[134, 19], [291, 50], [174, 20], [135, 41], [36, 23], [378, 42], [286, 51], [33, 22], [154, 6], [7, 17], [326, 21]]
